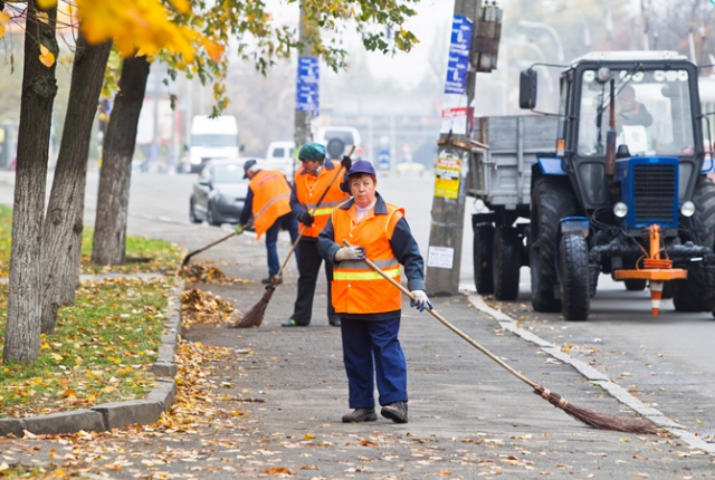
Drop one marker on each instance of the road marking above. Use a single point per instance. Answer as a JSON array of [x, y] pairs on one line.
[[596, 377]]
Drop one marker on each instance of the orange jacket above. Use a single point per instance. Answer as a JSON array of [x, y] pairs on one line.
[[271, 199], [356, 288], [309, 189]]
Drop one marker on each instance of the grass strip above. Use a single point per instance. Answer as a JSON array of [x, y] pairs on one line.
[[102, 349], [143, 254]]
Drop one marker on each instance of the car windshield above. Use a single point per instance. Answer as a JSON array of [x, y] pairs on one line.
[[652, 113], [345, 137], [213, 140], [228, 174]]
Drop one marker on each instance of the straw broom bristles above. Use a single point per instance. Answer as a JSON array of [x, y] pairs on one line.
[[254, 317]]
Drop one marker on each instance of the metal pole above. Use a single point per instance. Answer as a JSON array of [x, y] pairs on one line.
[[447, 225]]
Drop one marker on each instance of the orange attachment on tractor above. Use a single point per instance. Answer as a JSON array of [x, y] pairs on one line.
[[655, 269]]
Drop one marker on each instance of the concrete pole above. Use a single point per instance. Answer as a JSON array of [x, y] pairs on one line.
[[447, 223], [302, 132]]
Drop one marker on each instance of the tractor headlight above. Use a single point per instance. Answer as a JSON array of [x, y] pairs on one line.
[[620, 209], [688, 209]]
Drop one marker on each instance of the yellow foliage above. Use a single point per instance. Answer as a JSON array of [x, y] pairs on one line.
[[4, 17], [46, 4], [142, 25], [2, 30], [46, 57]]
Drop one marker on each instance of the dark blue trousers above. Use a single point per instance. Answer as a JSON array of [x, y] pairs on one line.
[[288, 222], [371, 351]]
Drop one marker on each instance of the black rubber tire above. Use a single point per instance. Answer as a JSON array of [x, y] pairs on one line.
[[192, 213], [507, 262], [693, 294], [635, 284], [551, 200], [211, 216], [482, 257], [575, 277]]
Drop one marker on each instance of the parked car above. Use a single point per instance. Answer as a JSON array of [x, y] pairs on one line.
[[219, 193], [280, 157], [338, 140], [407, 169]]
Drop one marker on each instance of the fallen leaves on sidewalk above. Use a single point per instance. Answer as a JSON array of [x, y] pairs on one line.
[[206, 273], [202, 307]]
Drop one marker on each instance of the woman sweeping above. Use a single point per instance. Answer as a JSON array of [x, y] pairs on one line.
[[368, 306]]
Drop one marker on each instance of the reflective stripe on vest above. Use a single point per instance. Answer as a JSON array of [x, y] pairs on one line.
[[366, 274]]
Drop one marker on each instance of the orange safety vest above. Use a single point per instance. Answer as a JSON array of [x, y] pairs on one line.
[[356, 288], [309, 189], [271, 199]]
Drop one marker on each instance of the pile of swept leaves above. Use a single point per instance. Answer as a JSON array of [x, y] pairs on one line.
[[102, 350], [201, 307], [206, 273]]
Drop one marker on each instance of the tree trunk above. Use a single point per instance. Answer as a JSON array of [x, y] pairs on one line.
[[39, 87], [110, 226], [62, 230]]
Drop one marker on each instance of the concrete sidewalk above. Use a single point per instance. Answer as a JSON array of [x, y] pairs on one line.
[[280, 395]]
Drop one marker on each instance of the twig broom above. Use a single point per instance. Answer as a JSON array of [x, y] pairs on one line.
[[254, 317], [589, 417], [186, 259]]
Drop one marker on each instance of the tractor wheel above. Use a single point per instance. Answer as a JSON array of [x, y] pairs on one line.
[[482, 256], [507, 262], [635, 284], [575, 277], [551, 200], [693, 294]]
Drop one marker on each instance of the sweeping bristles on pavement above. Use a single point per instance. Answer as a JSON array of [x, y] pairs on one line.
[[254, 317], [589, 417]]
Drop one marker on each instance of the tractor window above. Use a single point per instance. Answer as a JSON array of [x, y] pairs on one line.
[[652, 113]]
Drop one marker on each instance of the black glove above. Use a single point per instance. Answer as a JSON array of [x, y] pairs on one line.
[[346, 162], [306, 219]]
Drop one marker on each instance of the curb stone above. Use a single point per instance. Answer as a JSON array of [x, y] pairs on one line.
[[106, 416], [596, 377]]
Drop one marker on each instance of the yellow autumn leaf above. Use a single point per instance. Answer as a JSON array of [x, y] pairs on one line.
[[57, 357], [46, 4], [2, 30], [46, 57], [4, 17], [308, 436], [181, 5], [43, 17]]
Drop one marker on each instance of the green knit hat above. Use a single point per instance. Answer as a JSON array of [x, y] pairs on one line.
[[312, 151]]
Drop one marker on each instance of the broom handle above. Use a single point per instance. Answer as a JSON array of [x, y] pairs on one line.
[[320, 200], [447, 323]]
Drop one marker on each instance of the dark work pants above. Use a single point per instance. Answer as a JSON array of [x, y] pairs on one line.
[[309, 261], [287, 222], [371, 350]]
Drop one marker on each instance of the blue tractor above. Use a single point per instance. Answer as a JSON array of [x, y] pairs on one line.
[[623, 190]]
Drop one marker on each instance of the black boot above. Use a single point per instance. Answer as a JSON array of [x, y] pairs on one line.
[[360, 415], [397, 412]]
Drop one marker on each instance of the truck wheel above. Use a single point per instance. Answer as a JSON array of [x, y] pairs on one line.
[[482, 256], [635, 284], [703, 222], [575, 277], [551, 200], [507, 262]]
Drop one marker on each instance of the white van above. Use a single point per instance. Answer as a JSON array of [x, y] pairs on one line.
[[212, 138], [280, 156], [338, 140]]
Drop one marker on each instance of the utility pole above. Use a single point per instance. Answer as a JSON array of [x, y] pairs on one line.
[[474, 45], [307, 95]]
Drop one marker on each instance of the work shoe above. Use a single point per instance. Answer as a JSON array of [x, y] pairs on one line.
[[360, 415], [397, 412], [266, 281], [292, 323], [335, 322]]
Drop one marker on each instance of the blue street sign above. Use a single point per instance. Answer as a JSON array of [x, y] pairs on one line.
[[383, 160], [458, 63], [307, 96]]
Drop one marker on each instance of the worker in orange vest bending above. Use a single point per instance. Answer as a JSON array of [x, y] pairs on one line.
[[310, 183], [368, 305], [268, 201]]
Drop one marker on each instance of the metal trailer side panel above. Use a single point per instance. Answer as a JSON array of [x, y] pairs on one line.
[[500, 172]]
